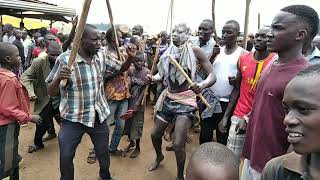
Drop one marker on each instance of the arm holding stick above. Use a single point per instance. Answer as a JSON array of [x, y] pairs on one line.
[[174, 62]]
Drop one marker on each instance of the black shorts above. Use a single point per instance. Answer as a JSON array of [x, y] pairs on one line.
[[170, 110]]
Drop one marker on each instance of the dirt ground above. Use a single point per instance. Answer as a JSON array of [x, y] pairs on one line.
[[44, 164]]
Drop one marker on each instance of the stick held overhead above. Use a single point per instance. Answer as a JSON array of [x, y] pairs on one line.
[[113, 28], [78, 35]]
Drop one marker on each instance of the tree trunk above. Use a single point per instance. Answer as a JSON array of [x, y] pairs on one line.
[[214, 20]]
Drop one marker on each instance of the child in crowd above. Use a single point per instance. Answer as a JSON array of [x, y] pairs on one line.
[[134, 125], [213, 161], [14, 110]]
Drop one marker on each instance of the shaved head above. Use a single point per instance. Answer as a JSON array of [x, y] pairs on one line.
[[213, 161]]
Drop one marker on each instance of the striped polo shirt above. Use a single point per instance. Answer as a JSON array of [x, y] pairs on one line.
[[84, 93]]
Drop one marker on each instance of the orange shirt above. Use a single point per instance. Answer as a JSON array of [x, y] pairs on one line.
[[14, 99]]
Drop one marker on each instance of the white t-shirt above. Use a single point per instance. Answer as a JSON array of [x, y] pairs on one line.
[[225, 66]]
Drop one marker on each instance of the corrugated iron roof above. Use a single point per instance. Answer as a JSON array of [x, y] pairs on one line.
[[20, 6]]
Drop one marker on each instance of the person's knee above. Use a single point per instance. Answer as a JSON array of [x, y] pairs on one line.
[[155, 135], [178, 147]]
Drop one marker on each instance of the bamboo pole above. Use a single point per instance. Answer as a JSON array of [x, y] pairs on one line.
[[174, 62], [78, 35], [154, 63], [114, 29], [246, 23]]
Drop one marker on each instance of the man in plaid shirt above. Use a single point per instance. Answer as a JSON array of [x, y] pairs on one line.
[[83, 105]]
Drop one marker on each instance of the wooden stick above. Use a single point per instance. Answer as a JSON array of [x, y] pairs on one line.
[[78, 35], [114, 29], [173, 61], [246, 23], [154, 63]]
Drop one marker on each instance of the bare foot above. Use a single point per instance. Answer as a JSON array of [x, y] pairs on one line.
[[135, 153], [156, 163]]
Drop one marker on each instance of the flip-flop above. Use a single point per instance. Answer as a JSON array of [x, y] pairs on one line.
[[92, 157], [34, 148]]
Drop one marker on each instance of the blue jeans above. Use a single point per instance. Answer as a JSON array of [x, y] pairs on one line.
[[70, 136], [117, 108]]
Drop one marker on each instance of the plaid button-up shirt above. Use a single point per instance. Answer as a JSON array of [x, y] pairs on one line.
[[84, 94]]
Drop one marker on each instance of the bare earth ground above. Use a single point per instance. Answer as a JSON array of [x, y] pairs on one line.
[[44, 164]]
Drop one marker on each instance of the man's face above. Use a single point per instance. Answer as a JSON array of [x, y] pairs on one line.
[[14, 57], [53, 54], [18, 33], [301, 103], [92, 41], [179, 36], [50, 38], [229, 33], [260, 39], [138, 63], [205, 31], [240, 41], [24, 34], [136, 31], [284, 34]]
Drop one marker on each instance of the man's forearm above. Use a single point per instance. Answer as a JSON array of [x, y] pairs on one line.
[[232, 102], [209, 81], [126, 65], [53, 87]]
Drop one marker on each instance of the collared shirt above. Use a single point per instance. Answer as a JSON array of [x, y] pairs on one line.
[[84, 94], [314, 57], [207, 48], [14, 100], [8, 39], [290, 166]]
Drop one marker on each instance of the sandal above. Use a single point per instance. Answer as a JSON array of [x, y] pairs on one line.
[[92, 157], [34, 148], [118, 153]]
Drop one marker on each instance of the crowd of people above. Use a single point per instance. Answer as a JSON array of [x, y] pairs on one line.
[[261, 96]]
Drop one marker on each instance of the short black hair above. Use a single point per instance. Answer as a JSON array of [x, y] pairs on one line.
[[5, 50], [307, 14], [140, 55], [209, 21], [54, 46], [215, 154], [310, 71], [110, 35], [87, 29], [235, 23], [139, 27]]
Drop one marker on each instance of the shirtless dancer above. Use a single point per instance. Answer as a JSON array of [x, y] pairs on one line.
[[178, 102]]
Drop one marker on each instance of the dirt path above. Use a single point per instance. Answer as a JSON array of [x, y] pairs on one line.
[[44, 164]]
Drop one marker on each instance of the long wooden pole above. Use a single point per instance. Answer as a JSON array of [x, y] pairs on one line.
[[154, 63], [78, 35], [114, 29], [174, 62], [214, 20], [246, 23]]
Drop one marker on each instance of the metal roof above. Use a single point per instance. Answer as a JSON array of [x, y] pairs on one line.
[[20, 8]]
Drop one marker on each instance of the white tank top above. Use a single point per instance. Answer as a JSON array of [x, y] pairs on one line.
[[225, 66]]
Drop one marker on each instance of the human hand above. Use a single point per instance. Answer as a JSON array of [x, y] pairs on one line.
[[36, 119], [216, 49], [131, 50], [241, 126], [74, 21], [223, 125], [232, 80], [64, 73], [33, 98], [196, 88]]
